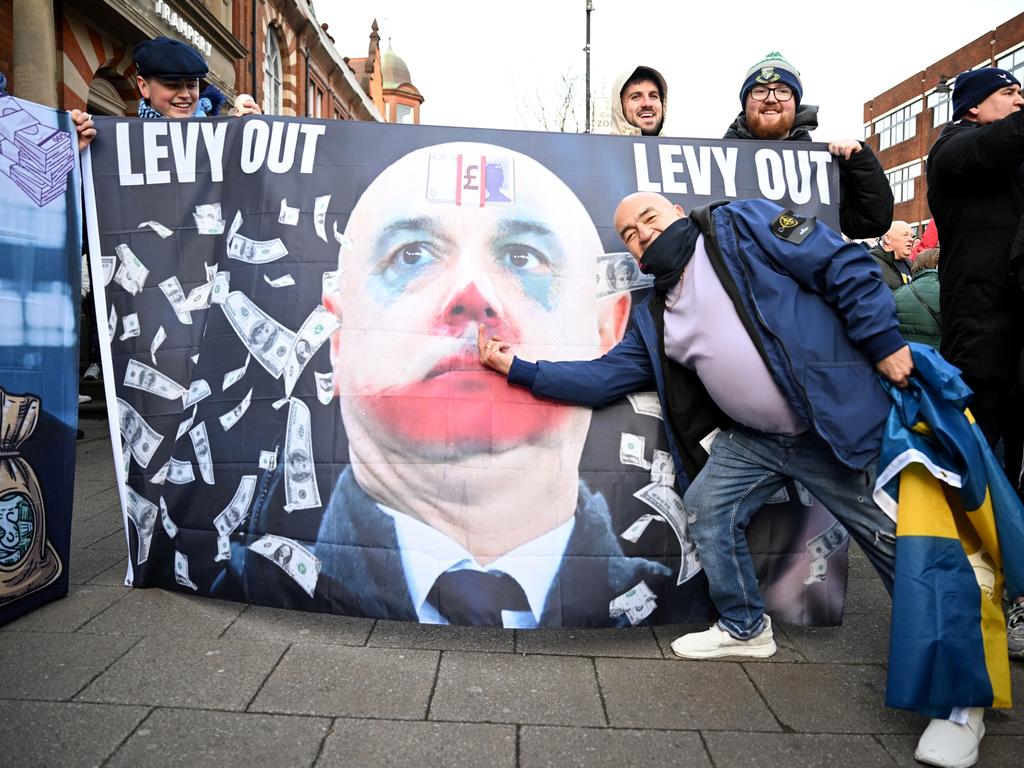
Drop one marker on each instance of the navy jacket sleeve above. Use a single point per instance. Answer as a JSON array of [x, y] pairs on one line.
[[865, 197], [845, 274], [626, 368]]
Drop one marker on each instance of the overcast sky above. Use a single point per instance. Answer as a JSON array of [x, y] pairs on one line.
[[483, 64]]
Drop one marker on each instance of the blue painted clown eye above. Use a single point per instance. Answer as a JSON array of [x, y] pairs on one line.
[[412, 255]]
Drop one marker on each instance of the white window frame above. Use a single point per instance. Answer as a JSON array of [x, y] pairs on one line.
[[273, 75], [901, 180], [899, 125], [941, 105], [1013, 62]]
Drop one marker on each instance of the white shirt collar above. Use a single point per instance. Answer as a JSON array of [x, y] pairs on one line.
[[427, 553]]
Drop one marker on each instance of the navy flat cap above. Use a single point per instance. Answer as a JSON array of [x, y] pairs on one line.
[[168, 59]]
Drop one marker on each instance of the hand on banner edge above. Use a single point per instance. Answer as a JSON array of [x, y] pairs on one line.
[[494, 353], [845, 148], [84, 127]]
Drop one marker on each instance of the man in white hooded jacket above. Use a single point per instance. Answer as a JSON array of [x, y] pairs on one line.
[[639, 97]]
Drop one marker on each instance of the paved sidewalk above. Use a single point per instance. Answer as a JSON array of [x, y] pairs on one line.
[[119, 677]]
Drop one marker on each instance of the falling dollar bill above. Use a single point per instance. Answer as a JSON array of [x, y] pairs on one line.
[[223, 549], [315, 330], [130, 326], [169, 527], [268, 460], [107, 264], [171, 288], [663, 468], [821, 547], [201, 443], [267, 340], [708, 440], [233, 377], [198, 298], [112, 322], [160, 477], [141, 376], [236, 224], [186, 425], [232, 515], [132, 273], [211, 271], [158, 338], [300, 488], [291, 557], [669, 506], [320, 216], [157, 227], [140, 438], [126, 458], [277, 405], [198, 390], [631, 450], [195, 359], [229, 419], [803, 494], [636, 530], [342, 239], [256, 251], [288, 215], [281, 282], [142, 512], [637, 604], [329, 282], [619, 272], [645, 403], [221, 287], [180, 472], [324, 386], [208, 219], [181, 571]]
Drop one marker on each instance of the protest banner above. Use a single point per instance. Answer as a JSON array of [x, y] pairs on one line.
[[298, 413], [40, 279]]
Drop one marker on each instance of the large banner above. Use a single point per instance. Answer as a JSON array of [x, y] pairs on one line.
[[301, 418], [40, 280]]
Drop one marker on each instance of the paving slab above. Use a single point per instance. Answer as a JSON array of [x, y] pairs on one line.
[[1010, 721], [357, 682], [507, 688], [65, 734], [543, 747], [412, 744], [259, 622], [995, 752], [831, 698], [186, 672], [166, 614], [867, 595], [69, 613], [440, 637], [665, 634], [113, 542], [863, 638], [86, 564], [105, 504], [186, 738], [114, 575], [683, 695], [774, 750], [86, 532], [636, 642], [54, 666]]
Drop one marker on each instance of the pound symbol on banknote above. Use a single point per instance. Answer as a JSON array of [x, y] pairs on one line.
[[469, 177]]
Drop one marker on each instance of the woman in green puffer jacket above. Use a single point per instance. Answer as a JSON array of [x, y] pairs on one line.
[[917, 302]]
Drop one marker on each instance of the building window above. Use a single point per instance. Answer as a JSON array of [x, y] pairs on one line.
[[272, 75], [1013, 63], [403, 114], [939, 103], [902, 181], [317, 100], [898, 126]]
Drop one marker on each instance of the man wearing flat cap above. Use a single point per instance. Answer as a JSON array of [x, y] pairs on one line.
[[773, 110], [976, 194]]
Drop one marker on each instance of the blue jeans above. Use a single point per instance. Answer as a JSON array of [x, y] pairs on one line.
[[744, 470]]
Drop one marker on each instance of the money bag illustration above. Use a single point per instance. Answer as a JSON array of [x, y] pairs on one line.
[[27, 559]]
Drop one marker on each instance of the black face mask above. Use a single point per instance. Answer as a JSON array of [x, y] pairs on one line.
[[668, 255]]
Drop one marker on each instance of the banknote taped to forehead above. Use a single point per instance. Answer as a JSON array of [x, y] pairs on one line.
[[470, 179]]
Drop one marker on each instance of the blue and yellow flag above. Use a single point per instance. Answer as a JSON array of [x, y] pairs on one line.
[[959, 534]]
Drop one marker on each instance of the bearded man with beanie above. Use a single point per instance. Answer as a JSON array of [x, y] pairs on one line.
[[771, 98]]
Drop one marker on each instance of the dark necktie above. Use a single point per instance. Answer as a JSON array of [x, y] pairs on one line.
[[476, 597]]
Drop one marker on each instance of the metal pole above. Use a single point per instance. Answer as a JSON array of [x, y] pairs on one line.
[[590, 9]]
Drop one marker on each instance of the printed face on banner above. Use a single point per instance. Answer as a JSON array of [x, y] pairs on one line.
[[446, 239]]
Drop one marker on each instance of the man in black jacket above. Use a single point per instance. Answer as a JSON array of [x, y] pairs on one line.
[[772, 111], [976, 194], [893, 254]]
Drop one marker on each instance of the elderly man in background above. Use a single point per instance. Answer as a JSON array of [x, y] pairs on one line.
[[893, 254]]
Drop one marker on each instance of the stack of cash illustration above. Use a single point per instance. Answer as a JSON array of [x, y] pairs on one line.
[[35, 157]]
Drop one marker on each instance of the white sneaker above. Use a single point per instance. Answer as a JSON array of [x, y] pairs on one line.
[[715, 642], [950, 745], [93, 372]]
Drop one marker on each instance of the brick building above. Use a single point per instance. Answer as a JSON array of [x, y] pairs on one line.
[[901, 124], [273, 49]]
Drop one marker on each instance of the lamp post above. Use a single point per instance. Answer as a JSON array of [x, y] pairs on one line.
[[586, 48]]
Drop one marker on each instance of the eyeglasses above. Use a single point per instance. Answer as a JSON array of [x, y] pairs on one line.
[[782, 92]]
